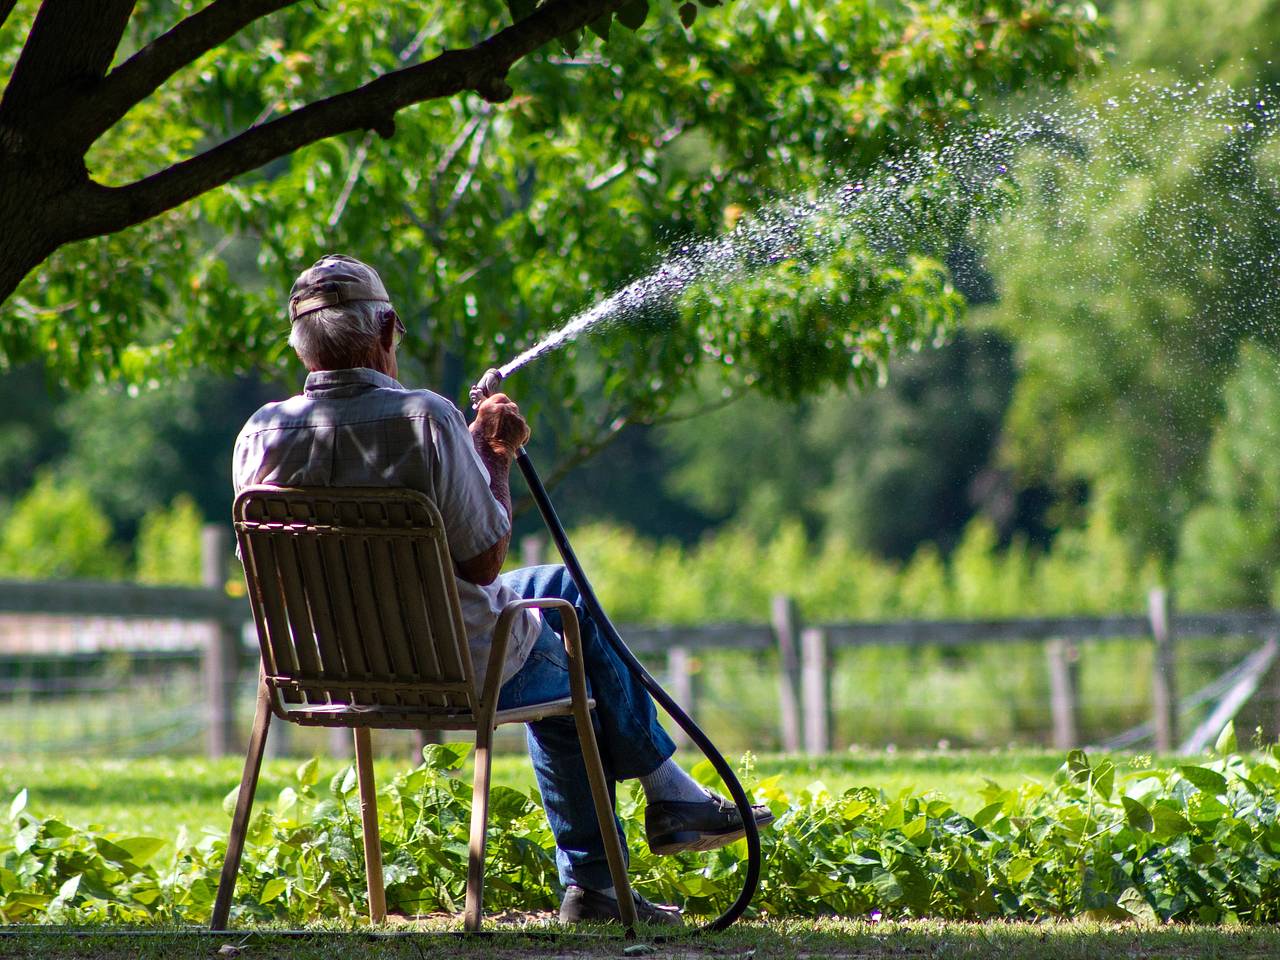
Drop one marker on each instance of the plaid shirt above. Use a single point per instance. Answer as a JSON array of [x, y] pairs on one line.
[[359, 427]]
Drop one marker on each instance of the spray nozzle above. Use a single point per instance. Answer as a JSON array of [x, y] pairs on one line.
[[486, 386]]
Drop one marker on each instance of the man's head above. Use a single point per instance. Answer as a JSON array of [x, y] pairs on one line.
[[342, 317]]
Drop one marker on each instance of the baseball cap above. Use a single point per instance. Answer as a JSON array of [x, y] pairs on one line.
[[331, 280]]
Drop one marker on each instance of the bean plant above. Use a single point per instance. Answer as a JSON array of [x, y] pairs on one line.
[[1105, 839]]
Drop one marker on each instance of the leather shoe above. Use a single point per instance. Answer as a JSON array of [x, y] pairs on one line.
[[675, 825], [582, 905]]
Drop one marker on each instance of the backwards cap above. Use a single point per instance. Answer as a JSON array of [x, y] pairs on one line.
[[331, 280]]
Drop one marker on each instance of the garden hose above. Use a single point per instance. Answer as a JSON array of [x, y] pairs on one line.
[[751, 878]]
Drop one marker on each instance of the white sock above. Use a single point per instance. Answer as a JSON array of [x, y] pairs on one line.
[[669, 782]]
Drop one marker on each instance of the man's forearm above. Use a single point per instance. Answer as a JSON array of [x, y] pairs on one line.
[[499, 467]]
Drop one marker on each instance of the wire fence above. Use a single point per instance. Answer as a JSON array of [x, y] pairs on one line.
[[125, 686]]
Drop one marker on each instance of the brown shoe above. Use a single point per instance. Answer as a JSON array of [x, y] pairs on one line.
[[581, 905]]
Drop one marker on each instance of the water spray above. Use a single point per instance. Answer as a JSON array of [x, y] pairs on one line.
[[486, 387]]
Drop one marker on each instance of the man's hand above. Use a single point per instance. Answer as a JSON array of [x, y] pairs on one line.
[[500, 426]]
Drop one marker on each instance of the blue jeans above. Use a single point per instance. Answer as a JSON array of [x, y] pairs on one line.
[[631, 741]]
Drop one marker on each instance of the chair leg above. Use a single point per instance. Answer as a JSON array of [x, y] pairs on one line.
[[244, 806], [604, 811], [369, 825], [479, 828]]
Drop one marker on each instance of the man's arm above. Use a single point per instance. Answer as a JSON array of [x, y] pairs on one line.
[[498, 431]]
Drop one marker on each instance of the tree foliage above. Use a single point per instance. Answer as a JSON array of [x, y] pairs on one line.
[[1143, 259], [89, 81], [491, 222], [55, 532], [1229, 547]]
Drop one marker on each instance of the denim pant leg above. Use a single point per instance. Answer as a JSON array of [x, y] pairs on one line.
[[631, 741]]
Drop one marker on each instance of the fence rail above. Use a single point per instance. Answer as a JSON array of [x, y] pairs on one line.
[[804, 650]]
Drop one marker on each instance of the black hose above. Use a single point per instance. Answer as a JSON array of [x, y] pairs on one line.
[[752, 878]]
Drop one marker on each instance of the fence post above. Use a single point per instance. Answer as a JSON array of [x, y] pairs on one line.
[[222, 655], [1164, 688], [1063, 656], [680, 676], [815, 669], [786, 628]]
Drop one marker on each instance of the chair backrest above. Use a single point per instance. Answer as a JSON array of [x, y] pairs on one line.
[[356, 606]]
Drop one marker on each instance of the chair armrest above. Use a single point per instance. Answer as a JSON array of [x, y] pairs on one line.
[[502, 636]]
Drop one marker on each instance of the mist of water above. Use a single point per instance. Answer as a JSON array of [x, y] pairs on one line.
[[900, 207]]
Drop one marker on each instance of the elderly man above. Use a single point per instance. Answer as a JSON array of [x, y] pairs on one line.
[[355, 425]]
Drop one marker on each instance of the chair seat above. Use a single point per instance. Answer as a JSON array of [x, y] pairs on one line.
[[536, 711]]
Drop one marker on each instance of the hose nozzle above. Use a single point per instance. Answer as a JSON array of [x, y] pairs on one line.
[[486, 386]]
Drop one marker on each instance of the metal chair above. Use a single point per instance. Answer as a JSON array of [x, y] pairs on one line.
[[359, 625]]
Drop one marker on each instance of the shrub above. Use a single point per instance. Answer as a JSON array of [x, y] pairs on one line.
[[168, 543], [57, 531], [1192, 843]]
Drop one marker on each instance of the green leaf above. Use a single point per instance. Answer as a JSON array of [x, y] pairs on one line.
[[600, 26], [988, 813], [1019, 869], [1132, 902], [1137, 816], [1226, 742], [887, 886], [1103, 779], [571, 41], [69, 888], [19, 804], [688, 14], [287, 802], [142, 849], [1078, 766], [229, 801], [272, 889], [633, 15], [1168, 822], [308, 772], [349, 781], [1210, 781], [445, 756]]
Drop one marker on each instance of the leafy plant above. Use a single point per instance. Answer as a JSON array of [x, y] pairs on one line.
[[56, 530], [1198, 842]]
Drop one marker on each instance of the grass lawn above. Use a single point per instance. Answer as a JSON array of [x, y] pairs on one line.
[[756, 941], [157, 796]]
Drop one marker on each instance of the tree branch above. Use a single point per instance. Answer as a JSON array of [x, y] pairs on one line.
[[623, 166], [6, 8], [481, 68], [68, 51], [142, 74]]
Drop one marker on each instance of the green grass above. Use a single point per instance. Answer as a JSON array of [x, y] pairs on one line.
[[157, 796], [858, 940]]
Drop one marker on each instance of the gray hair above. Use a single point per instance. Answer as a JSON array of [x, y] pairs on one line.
[[334, 338]]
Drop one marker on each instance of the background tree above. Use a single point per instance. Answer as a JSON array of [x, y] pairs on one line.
[[492, 223], [1143, 257]]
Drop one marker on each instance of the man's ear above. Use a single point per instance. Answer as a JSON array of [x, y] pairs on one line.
[[387, 335]]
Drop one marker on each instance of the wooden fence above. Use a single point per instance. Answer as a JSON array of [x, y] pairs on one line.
[[804, 650]]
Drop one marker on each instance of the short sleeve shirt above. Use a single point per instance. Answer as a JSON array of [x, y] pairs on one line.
[[359, 427]]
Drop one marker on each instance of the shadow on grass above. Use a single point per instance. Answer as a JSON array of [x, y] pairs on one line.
[[756, 941]]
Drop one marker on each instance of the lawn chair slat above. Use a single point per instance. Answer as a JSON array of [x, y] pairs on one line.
[[386, 594], [432, 557], [332, 658], [366, 608], [295, 601], [417, 619], [278, 650]]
